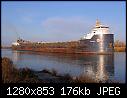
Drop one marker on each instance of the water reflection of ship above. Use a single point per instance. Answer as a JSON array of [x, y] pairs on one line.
[[103, 70], [16, 56]]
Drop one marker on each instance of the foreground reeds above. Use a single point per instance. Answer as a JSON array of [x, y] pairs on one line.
[[10, 74]]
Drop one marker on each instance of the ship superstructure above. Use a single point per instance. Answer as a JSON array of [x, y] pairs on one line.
[[99, 40]]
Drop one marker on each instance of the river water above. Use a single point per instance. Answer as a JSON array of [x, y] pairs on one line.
[[101, 67]]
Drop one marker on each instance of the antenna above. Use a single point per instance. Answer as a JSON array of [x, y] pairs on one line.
[[97, 23], [18, 37]]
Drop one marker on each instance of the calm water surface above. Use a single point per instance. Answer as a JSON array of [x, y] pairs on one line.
[[99, 67]]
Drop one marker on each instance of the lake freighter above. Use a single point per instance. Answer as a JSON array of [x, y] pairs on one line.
[[98, 41]]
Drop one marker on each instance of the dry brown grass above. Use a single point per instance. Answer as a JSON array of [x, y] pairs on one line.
[[83, 79], [10, 74], [8, 70], [119, 49]]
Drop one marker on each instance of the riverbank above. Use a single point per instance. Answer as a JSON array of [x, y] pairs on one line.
[[10, 74], [119, 49], [6, 47]]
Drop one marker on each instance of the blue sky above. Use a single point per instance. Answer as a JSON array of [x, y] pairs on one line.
[[53, 21]]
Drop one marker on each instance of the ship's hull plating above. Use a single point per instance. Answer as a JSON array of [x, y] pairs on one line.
[[98, 44]]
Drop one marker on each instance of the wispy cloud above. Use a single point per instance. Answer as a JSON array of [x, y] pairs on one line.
[[66, 28], [27, 19]]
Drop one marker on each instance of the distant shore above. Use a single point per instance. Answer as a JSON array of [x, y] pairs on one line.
[[119, 49], [6, 47], [119, 46]]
